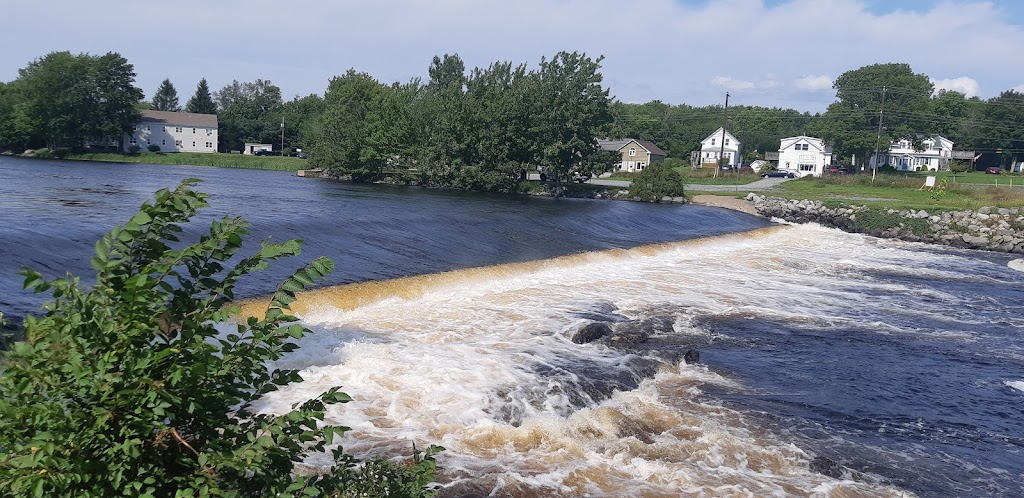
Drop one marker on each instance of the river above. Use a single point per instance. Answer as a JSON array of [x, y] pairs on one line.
[[831, 364]]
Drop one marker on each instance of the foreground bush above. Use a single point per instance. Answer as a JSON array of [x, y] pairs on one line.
[[128, 389]]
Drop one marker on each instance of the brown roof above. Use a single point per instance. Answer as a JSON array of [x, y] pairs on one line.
[[180, 118]]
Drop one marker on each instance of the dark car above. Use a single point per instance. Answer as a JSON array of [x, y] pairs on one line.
[[993, 170], [836, 170], [779, 174]]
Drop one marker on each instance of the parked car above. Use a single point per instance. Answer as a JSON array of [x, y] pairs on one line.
[[779, 174], [836, 170], [993, 170], [265, 152]]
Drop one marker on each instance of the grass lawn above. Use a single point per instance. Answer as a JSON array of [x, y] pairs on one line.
[[899, 191], [702, 176], [276, 163]]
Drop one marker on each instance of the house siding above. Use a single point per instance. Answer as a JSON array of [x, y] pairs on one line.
[[172, 136], [711, 147], [936, 155], [810, 162]]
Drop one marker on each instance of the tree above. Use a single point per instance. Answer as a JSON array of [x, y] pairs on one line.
[[851, 123], [344, 128], [143, 384], [73, 99], [571, 110], [656, 181], [201, 102], [166, 98], [248, 112]]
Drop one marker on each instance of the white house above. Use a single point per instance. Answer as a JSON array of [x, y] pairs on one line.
[[903, 156], [711, 147], [804, 156], [253, 148], [174, 132], [634, 154]]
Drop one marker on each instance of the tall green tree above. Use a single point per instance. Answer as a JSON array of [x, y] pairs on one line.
[[166, 97], [442, 106], [73, 99], [201, 101], [571, 110], [851, 123], [248, 112], [344, 128]]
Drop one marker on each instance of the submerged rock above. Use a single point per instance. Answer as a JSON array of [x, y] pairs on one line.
[[591, 332], [691, 356]]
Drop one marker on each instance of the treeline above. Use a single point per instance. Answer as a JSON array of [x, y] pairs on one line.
[[912, 110]]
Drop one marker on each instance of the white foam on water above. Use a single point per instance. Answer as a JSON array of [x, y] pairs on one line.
[[1016, 264], [1015, 384], [481, 362]]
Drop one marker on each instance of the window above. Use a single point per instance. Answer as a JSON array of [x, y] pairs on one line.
[[177, 143], [133, 141], [163, 141], [632, 151], [147, 141], [209, 145], [193, 131], [193, 143], [727, 141], [806, 167], [640, 166], [147, 127], [712, 141], [135, 128], [177, 129]]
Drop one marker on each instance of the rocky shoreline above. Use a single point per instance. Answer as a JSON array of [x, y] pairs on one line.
[[988, 228]]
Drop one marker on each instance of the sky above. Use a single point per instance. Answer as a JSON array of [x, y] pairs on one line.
[[776, 53]]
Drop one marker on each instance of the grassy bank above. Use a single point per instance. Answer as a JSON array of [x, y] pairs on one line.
[[899, 191], [703, 176], [200, 159]]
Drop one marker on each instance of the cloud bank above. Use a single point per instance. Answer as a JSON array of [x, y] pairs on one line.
[[677, 51]]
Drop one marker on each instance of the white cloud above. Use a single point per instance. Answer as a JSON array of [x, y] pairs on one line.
[[732, 84], [685, 58], [1019, 88], [812, 83], [965, 85]]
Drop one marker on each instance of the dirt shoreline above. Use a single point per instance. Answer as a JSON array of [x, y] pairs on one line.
[[722, 201]]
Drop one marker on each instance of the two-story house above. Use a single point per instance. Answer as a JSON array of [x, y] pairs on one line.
[[804, 156], [720, 143], [635, 154], [174, 132], [935, 155]]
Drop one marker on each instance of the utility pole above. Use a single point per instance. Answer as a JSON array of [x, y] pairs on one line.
[[878, 138], [725, 121], [282, 135]]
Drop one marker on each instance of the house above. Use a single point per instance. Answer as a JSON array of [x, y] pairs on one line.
[[804, 156], [174, 132], [935, 155], [634, 154], [253, 148], [720, 142]]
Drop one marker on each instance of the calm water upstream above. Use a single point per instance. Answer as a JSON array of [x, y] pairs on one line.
[[831, 364]]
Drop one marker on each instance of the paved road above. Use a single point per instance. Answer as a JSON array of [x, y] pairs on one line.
[[756, 186]]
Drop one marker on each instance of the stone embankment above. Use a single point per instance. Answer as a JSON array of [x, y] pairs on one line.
[[990, 229]]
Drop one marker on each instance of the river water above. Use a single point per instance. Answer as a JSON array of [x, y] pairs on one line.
[[831, 364]]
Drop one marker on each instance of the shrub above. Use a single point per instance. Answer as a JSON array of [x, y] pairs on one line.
[[43, 153], [153, 148], [129, 388], [657, 180], [959, 167], [134, 150]]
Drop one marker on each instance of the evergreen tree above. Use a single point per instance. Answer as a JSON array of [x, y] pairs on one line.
[[202, 101], [166, 98]]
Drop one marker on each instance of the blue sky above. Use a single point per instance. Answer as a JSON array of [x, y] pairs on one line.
[[780, 53]]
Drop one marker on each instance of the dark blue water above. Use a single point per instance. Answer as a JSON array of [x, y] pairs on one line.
[[52, 212]]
